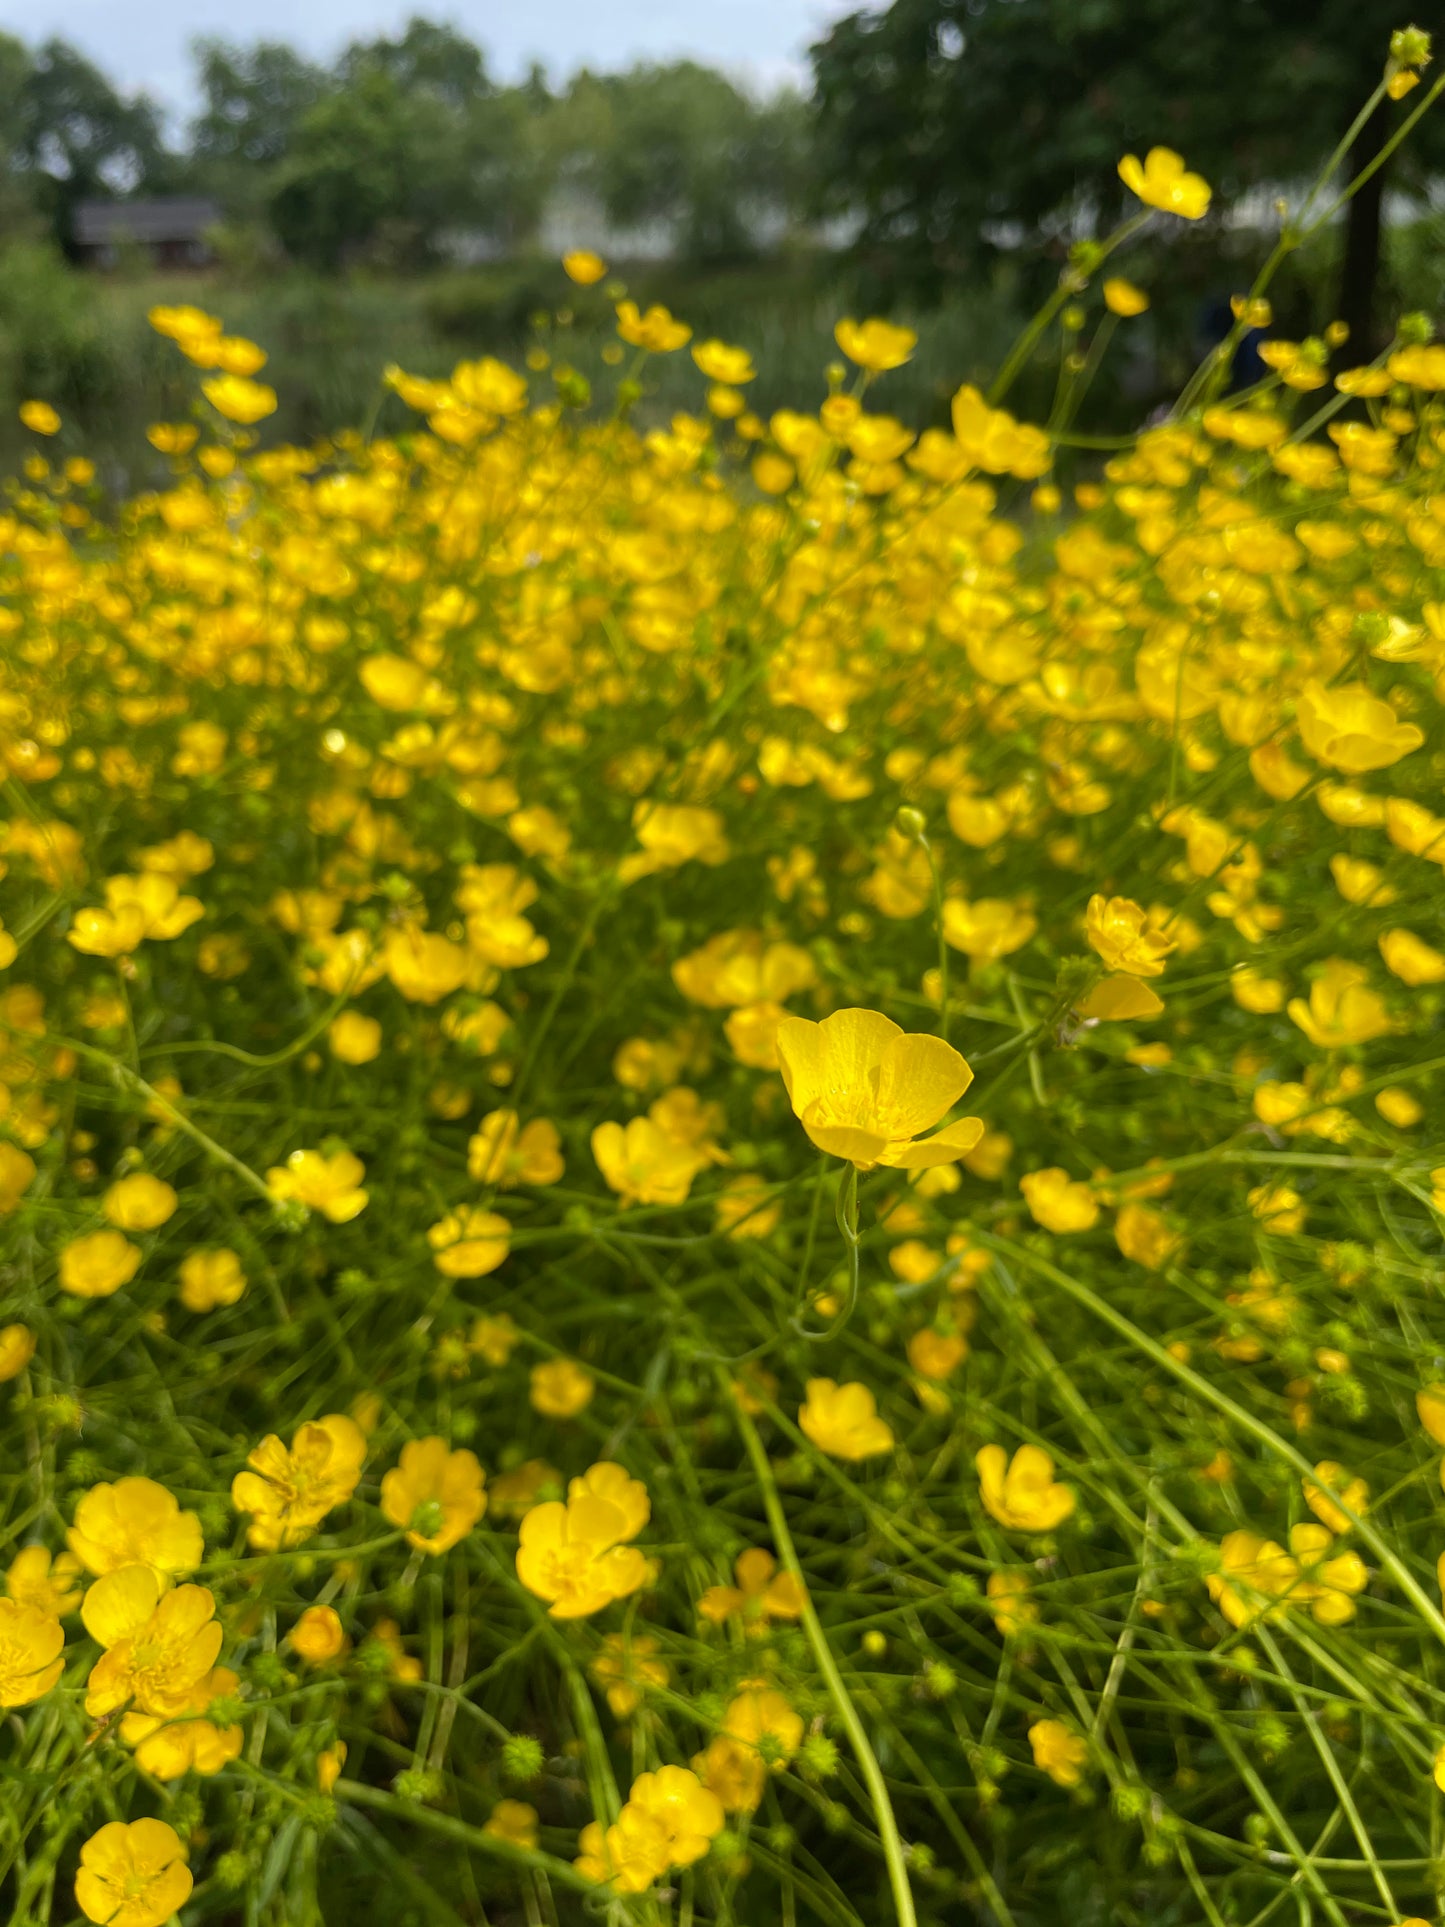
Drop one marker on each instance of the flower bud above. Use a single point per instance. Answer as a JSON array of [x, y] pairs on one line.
[[1409, 47], [522, 1759]]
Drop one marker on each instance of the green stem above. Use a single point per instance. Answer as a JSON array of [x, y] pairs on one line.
[[1390, 1562], [818, 1641]]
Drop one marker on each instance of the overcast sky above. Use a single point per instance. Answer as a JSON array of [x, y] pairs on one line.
[[143, 43]]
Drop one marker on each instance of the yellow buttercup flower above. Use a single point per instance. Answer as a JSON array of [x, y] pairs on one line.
[[139, 1202], [843, 1420], [561, 1388], [1122, 298], [330, 1184], [31, 1657], [1350, 729], [134, 1522], [746, 1208], [718, 362], [1353, 1492], [1022, 1493], [239, 399], [1121, 932], [137, 908], [760, 1734], [1411, 959], [863, 1090], [762, 1593], [583, 266], [17, 1348], [17, 1174], [577, 1554], [438, 1495], [52, 1586], [624, 1668], [506, 1152], [169, 1749], [1011, 1606], [515, 1822], [875, 345], [657, 331], [936, 1355], [1342, 1009], [1430, 1406], [353, 1038], [211, 1278], [1161, 181], [133, 1874], [98, 1264], [287, 1493], [1146, 1237], [39, 417], [1396, 1105], [159, 1642], [318, 1635], [645, 1164], [1057, 1201], [670, 1819], [469, 1242], [988, 928], [1058, 1752]]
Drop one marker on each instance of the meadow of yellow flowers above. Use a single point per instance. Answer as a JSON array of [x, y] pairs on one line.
[[721, 1191]]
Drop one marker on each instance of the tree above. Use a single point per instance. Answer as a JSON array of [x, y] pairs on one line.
[[255, 98], [79, 138], [680, 145], [16, 203], [427, 58], [346, 172], [942, 117]]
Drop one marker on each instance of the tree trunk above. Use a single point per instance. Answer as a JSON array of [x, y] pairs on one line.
[[1360, 271]]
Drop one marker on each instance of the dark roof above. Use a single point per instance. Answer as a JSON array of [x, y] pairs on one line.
[[174, 217]]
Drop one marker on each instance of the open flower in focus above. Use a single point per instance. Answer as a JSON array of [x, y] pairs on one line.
[[135, 1522], [133, 1875], [577, 1554], [863, 1089], [159, 1643], [167, 1749], [669, 1820], [287, 1493]]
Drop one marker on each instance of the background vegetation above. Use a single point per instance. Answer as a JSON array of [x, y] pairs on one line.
[[942, 163]]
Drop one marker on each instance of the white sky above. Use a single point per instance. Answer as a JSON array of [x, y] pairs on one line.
[[144, 43]]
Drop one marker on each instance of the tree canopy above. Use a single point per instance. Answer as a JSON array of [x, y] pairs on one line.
[[940, 119], [404, 141]]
